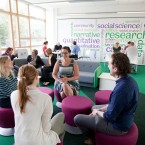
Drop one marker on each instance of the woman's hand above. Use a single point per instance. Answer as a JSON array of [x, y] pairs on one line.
[[64, 79]]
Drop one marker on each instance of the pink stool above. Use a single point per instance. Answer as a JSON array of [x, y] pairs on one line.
[[48, 91], [73, 105], [7, 123], [57, 94], [58, 98], [128, 139], [102, 97]]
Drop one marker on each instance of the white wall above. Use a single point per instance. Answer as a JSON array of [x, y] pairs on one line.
[[95, 10], [51, 26], [89, 10]]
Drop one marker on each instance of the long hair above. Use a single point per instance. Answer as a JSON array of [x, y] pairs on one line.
[[27, 74], [3, 69]]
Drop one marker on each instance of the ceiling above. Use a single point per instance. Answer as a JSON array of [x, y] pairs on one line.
[[60, 3]]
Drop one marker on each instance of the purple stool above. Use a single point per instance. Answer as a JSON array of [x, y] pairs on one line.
[[7, 122], [102, 97], [128, 139], [58, 98], [73, 105], [57, 94], [48, 91], [60, 143]]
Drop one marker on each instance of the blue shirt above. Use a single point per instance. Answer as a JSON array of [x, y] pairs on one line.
[[122, 104], [75, 49]]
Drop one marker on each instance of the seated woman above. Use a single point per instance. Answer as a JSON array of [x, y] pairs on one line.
[[33, 111], [116, 47], [35, 59], [117, 117], [12, 54], [66, 74], [8, 82], [46, 70]]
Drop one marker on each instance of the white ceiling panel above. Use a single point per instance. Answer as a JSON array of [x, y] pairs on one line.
[[61, 3]]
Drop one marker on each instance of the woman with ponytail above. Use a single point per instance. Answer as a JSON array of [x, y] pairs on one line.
[[33, 110]]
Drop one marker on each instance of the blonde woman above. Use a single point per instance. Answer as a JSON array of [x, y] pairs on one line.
[[46, 70], [33, 110], [8, 82]]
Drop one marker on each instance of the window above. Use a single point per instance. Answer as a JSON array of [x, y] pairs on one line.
[[37, 28], [22, 25], [13, 6], [15, 31], [37, 42], [22, 8], [5, 30], [35, 10], [4, 5]]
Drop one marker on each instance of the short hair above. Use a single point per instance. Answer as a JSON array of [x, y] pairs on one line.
[[74, 42], [132, 43], [8, 50], [122, 63], [35, 51], [66, 48], [129, 42], [46, 42]]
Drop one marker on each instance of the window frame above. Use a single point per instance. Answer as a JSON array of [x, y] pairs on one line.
[[30, 38]]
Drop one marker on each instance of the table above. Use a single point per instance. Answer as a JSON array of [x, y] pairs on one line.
[[107, 82]]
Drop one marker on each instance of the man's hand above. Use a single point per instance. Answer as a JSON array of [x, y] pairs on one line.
[[94, 112]]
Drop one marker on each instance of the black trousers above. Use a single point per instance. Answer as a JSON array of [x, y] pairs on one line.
[[5, 102], [46, 73], [74, 56]]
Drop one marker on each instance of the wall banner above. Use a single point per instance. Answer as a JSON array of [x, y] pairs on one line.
[[101, 34]]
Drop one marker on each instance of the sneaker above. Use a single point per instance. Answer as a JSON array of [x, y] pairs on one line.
[[46, 83]]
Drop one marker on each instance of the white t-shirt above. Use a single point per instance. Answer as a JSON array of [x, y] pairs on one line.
[[33, 127], [132, 54]]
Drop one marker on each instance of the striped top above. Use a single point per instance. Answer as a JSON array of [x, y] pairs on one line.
[[67, 71], [7, 86]]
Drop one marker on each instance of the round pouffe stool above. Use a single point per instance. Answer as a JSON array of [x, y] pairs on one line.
[[7, 122], [128, 139], [102, 97], [71, 106], [48, 91]]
